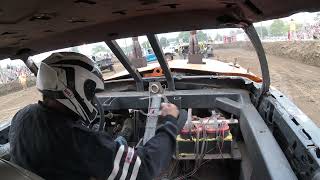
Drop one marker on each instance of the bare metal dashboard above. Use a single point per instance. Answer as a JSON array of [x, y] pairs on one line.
[[202, 98]]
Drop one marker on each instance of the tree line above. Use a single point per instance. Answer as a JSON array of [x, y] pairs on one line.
[[277, 28]]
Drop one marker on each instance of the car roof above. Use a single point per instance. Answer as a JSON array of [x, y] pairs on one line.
[[35, 26]]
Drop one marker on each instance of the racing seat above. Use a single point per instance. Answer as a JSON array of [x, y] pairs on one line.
[[10, 171]]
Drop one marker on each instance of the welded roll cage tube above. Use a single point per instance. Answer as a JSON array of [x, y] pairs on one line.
[[154, 42]]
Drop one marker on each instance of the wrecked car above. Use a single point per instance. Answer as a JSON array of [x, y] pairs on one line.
[[237, 126]]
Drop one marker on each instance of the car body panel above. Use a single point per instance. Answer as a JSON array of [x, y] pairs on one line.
[[104, 63]]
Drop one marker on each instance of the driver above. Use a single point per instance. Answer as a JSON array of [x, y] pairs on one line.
[[49, 137]]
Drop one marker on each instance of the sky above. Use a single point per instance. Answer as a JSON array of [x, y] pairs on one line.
[[304, 17]]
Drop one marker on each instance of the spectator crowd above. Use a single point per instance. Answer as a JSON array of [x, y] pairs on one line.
[[309, 32], [12, 73]]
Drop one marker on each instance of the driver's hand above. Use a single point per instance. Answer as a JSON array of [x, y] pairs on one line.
[[169, 109]]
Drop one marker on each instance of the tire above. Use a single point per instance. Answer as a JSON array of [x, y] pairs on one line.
[[112, 68], [168, 56]]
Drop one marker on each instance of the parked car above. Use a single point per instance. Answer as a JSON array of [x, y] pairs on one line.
[[169, 54], [104, 63], [150, 56]]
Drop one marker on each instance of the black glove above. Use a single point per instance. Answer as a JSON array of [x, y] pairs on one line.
[[182, 119]]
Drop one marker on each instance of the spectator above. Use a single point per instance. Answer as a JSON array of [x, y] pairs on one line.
[[23, 80]]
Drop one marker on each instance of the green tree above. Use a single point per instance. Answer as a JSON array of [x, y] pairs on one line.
[[174, 40], [75, 49], [218, 37], [278, 28], [263, 30], [202, 36], [145, 45], [127, 49], [164, 42], [99, 49], [184, 36]]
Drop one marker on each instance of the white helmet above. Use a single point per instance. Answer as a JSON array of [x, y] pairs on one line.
[[72, 79]]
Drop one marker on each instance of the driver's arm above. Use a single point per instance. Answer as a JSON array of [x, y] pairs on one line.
[[147, 161], [107, 159]]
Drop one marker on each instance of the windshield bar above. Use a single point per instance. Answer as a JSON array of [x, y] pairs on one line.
[[255, 40], [115, 48], [154, 42]]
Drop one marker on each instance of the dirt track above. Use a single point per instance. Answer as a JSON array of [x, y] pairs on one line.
[[298, 81], [11, 103]]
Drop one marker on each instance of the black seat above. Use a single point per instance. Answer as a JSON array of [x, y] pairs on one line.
[[10, 171]]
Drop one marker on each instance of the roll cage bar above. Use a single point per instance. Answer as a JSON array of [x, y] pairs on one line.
[[154, 42], [256, 42], [115, 48]]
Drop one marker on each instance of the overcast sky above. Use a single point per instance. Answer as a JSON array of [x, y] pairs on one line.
[[86, 49], [299, 18]]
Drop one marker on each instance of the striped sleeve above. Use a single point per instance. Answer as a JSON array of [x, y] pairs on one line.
[[126, 164], [145, 162]]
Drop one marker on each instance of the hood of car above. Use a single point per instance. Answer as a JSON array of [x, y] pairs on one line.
[[34, 26], [208, 67]]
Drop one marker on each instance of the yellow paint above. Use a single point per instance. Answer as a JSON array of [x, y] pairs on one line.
[[227, 138]]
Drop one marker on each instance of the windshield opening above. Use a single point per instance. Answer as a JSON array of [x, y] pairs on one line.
[[212, 51], [98, 52], [218, 51]]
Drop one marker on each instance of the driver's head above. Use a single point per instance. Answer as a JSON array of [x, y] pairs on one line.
[[71, 79]]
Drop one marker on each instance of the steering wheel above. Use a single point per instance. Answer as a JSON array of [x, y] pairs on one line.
[[100, 115]]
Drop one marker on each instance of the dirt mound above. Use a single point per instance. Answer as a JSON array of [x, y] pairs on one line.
[[307, 52], [298, 81], [14, 86]]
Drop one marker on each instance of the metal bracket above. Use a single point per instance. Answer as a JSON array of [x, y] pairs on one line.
[[255, 40], [154, 42], [30, 64], [115, 48]]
